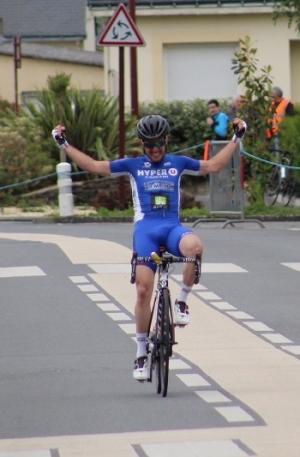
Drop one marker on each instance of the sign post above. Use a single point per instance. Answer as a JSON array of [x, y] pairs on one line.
[[121, 31], [17, 61]]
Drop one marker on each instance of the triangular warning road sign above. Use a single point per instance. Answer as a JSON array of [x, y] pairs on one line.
[[121, 30]]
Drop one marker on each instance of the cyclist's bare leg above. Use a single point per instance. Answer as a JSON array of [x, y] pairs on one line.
[[144, 288], [189, 246]]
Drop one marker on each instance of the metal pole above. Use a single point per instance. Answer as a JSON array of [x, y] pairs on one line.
[[133, 68], [17, 64], [121, 127]]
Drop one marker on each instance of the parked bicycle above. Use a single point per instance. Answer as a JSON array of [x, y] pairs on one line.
[[161, 331], [281, 183]]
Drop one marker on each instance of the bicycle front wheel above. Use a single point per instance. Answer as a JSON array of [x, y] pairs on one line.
[[165, 343]]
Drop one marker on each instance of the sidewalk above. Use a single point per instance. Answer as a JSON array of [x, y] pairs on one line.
[[48, 215]]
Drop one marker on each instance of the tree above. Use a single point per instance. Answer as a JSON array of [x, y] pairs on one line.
[[290, 8], [257, 84]]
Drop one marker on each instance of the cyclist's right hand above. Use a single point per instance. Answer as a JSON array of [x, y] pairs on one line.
[[59, 136], [239, 129]]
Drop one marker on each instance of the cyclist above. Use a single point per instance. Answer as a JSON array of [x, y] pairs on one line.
[[155, 181]]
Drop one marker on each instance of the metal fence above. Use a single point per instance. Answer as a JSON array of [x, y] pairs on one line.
[[225, 187]]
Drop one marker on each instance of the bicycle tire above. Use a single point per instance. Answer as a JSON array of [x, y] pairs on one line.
[[157, 346], [272, 188], [289, 187], [165, 344]]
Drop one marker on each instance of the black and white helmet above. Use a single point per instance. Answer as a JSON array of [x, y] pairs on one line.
[[151, 127]]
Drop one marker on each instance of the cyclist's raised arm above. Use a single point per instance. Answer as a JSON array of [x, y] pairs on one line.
[[84, 161], [221, 159]]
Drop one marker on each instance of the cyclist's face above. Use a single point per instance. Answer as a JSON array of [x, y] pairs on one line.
[[155, 149]]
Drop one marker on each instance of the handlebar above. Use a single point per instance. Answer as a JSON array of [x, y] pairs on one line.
[[164, 259]]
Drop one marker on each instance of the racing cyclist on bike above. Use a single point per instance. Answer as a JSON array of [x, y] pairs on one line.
[[155, 181]]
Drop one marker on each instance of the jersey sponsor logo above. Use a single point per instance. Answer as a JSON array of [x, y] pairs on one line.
[[147, 164], [167, 163], [159, 185], [173, 172], [153, 173]]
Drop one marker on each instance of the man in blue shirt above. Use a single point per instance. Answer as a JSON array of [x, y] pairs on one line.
[[155, 182], [217, 120]]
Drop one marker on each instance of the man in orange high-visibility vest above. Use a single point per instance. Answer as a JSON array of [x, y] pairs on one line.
[[279, 108]]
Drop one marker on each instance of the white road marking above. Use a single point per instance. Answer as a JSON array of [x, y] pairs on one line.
[[193, 380], [119, 316], [177, 364], [293, 265], [258, 327], [213, 396], [221, 268], [199, 287], [130, 329], [234, 414], [14, 272], [97, 297], [205, 268], [276, 338], [110, 267], [292, 349], [239, 315], [195, 287], [88, 288], [208, 295], [78, 279], [220, 448], [222, 305], [108, 307], [41, 453]]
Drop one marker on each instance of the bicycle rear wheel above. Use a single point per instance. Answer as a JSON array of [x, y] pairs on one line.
[[272, 187], [288, 188], [165, 345]]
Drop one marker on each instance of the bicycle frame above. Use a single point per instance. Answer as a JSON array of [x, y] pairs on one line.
[[161, 330]]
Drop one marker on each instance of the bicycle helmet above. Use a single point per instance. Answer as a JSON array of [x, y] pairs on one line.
[[151, 127]]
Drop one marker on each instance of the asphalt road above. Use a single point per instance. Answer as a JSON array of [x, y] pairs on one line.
[[66, 361]]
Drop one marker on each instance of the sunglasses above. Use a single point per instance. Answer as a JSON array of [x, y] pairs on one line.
[[152, 144]]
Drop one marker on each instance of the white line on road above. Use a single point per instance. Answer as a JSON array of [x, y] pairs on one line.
[[292, 349], [78, 279], [108, 307], [97, 297], [239, 315], [193, 380], [213, 396], [220, 448], [293, 265], [234, 414], [14, 272], [208, 295], [88, 288], [276, 338]]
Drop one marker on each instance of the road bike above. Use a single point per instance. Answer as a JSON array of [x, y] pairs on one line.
[[281, 183], [161, 331]]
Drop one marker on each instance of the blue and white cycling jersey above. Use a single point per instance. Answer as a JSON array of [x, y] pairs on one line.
[[155, 185]]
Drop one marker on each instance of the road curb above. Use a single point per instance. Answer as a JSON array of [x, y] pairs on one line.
[[129, 219]]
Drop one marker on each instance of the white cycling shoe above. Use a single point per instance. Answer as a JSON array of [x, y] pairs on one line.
[[140, 372], [181, 313]]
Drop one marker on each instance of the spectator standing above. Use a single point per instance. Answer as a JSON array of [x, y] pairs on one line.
[[280, 107], [218, 121], [234, 108]]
